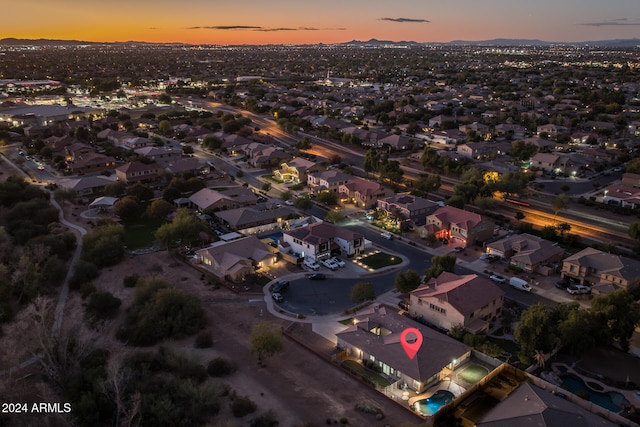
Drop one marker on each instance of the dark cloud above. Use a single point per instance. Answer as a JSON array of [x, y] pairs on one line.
[[403, 20], [226, 27], [258, 28], [620, 22]]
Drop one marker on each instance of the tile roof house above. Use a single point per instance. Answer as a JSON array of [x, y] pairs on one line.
[[321, 240], [399, 142], [237, 258], [449, 300], [208, 200], [330, 179], [363, 193], [592, 267], [375, 337], [530, 405], [138, 172], [527, 252], [160, 155], [459, 226], [253, 216], [91, 162], [295, 170], [86, 185], [622, 195], [477, 150], [414, 209]]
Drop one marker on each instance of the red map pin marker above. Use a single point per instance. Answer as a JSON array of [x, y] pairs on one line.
[[412, 345]]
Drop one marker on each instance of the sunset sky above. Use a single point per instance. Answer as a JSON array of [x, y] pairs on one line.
[[329, 21]]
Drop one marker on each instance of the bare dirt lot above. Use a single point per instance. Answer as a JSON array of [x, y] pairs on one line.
[[297, 385]]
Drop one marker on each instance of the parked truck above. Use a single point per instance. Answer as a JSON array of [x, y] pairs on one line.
[[521, 284]]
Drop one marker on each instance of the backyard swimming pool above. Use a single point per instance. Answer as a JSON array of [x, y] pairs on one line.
[[432, 404], [612, 400]]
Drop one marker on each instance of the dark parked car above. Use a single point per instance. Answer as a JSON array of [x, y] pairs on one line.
[[403, 305], [317, 276], [561, 284], [281, 286]]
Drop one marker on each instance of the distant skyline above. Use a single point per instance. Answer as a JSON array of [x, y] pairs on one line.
[[328, 21]]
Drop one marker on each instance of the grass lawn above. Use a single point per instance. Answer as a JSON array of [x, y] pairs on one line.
[[139, 234], [473, 373], [380, 260], [374, 377]]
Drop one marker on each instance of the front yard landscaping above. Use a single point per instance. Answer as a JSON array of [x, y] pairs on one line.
[[379, 260]]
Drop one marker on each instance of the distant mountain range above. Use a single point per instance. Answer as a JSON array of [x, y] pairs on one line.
[[373, 42], [502, 42]]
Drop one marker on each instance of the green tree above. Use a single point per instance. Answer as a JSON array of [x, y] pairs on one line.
[[185, 228], [159, 209], [127, 208], [548, 232], [439, 264], [334, 217], [303, 203], [371, 161], [165, 127], [536, 331], [266, 187], [101, 305], [266, 339], [563, 227], [160, 311], [577, 332], [427, 184], [618, 314], [103, 245], [634, 231], [363, 291], [116, 189], [304, 143], [522, 151], [140, 192], [407, 281], [559, 203], [328, 197], [164, 98]]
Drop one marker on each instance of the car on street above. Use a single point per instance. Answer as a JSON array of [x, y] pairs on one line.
[[578, 289], [277, 296], [498, 278], [280, 286], [317, 276], [458, 249], [386, 235], [329, 264], [289, 202], [338, 261]]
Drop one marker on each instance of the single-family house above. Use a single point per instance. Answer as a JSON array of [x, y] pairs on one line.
[[322, 240], [253, 216], [330, 179], [363, 193], [86, 185], [412, 208], [237, 258], [208, 200], [90, 162], [477, 150], [375, 337], [295, 170], [161, 155], [449, 300], [552, 130], [528, 252], [138, 172], [592, 267], [458, 226]]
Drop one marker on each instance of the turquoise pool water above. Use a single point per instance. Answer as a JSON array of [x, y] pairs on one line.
[[431, 405], [611, 400]]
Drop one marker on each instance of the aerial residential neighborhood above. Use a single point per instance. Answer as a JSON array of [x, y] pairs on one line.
[[407, 237]]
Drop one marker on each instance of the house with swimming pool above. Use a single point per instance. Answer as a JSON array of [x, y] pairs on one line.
[[375, 336]]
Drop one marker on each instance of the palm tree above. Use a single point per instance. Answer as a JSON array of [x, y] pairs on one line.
[[540, 358]]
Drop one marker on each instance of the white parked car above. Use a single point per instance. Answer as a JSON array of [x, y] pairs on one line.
[[289, 202], [498, 278], [338, 261], [386, 235], [330, 264], [312, 265]]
